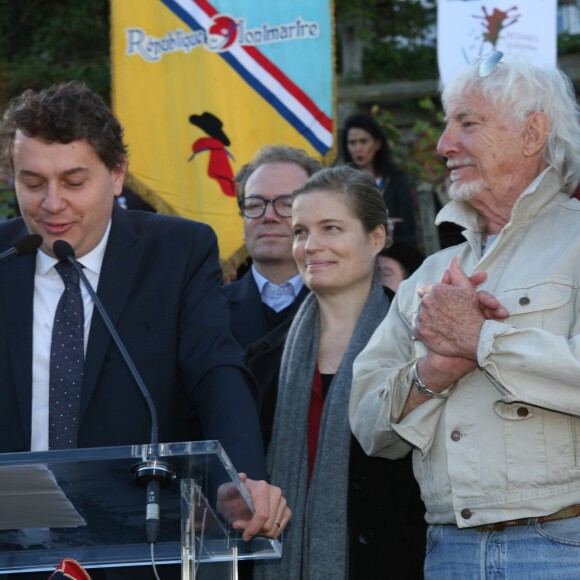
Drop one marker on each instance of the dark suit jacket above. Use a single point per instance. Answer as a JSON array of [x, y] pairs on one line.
[[159, 283], [249, 322]]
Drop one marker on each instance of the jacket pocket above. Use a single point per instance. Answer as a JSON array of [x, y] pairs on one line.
[[546, 305]]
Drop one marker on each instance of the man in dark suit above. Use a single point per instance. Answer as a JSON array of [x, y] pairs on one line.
[[271, 291], [158, 278]]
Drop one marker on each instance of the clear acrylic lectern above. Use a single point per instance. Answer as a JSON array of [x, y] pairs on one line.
[[84, 504]]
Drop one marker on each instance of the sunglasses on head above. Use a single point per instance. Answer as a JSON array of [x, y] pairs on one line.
[[488, 63]]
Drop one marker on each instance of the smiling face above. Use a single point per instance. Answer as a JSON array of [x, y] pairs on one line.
[[484, 151], [333, 251], [269, 238], [64, 191], [362, 147]]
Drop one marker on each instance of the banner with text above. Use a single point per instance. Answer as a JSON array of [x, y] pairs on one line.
[[199, 86], [467, 29]]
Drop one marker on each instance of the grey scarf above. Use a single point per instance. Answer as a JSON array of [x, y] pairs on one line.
[[315, 543]]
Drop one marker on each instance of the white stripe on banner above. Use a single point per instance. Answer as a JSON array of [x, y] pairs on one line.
[[272, 85]]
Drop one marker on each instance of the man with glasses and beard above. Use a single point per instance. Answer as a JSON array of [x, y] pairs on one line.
[[475, 368], [272, 290]]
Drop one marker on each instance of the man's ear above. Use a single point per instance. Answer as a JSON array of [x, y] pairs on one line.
[[118, 174], [535, 133]]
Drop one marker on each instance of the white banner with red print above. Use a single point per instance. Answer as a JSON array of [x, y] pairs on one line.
[[469, 28]]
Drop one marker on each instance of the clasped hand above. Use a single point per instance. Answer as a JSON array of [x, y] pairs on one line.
[[452, 313]]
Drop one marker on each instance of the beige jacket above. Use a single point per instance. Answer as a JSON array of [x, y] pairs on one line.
[[506, 443]]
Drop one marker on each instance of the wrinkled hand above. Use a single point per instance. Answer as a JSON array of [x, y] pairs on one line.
[[270, 507], [490, 306], [450, 316], [449, 322]]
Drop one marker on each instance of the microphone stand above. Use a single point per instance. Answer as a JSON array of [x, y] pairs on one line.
[[153, 475]]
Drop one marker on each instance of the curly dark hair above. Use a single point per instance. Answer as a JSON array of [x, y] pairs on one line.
[[63, 113]]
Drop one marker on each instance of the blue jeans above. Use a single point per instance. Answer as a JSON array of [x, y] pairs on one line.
[[537, 551]]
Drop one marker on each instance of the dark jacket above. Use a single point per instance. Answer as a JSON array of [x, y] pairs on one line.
[[399, 201], [248, 317]]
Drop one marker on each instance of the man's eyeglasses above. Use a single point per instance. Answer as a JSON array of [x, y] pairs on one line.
[[489, 63], [254, 206]]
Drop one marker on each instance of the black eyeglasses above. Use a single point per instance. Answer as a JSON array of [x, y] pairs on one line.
[[489, 63], [255, 206]]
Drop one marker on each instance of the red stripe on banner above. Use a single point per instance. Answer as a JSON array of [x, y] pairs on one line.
[[276, 73], [206, 7], [289, 86]]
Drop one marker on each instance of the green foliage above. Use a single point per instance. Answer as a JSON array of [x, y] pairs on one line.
[[568, 43], [388, 18], [388, 61], [8, 206], [415, 150], [48, 41], [396, 36]]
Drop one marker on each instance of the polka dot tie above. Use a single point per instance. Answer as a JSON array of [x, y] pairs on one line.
[[66, 362]]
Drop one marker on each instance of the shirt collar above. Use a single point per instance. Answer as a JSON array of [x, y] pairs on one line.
[[91, 261], [296, 282]]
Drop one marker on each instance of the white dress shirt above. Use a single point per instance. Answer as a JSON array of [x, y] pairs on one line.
[[48, 288]]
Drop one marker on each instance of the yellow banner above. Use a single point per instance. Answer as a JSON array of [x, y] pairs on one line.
[[200, 86]]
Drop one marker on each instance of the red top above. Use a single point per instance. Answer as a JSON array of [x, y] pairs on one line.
[[314, 417]]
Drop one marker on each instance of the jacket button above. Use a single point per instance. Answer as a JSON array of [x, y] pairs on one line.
[[365, 538], [524, 301], [359, 483], [455, 435], [522, 412], [466, 513]]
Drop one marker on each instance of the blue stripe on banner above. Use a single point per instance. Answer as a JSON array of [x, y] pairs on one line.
[[284, 111], [265, 93], [181, 13]]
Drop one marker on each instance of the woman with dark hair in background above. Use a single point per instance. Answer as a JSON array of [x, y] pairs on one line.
[[365, 146]]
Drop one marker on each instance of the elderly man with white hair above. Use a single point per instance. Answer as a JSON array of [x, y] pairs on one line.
[[476, 367]]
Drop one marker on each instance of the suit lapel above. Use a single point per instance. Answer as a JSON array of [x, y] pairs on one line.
[[122, 258], [252, 319], [17, 291]]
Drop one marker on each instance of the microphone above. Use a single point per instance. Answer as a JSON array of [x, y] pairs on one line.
[[23, 246], [152, 474]]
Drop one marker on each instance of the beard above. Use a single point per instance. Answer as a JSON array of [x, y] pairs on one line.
[[465, 191]]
